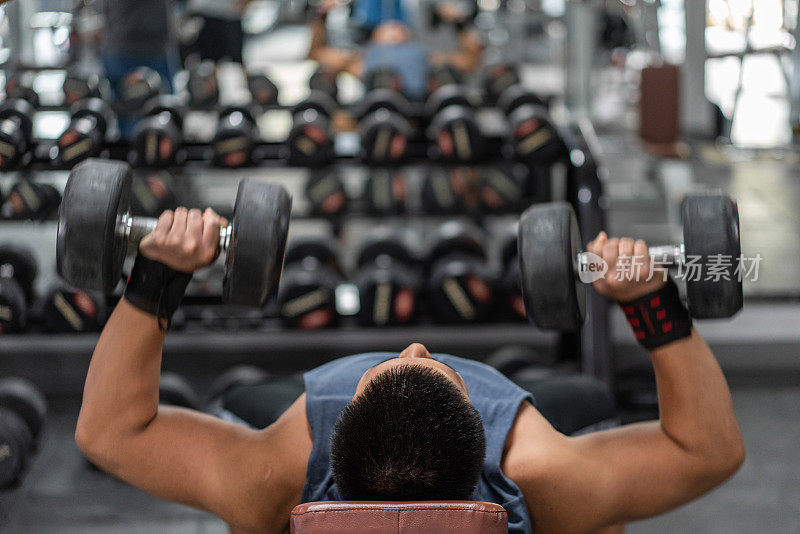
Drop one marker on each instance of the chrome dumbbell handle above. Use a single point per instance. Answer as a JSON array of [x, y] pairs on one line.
[[133, 229], [666, 256]]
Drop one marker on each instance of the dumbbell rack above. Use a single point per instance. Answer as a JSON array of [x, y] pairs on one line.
[[285, 349]]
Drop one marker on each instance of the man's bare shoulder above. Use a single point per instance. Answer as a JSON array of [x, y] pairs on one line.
[[290, 442]]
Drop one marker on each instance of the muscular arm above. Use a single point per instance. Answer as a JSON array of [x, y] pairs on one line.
[[636, 471], [251, 479]]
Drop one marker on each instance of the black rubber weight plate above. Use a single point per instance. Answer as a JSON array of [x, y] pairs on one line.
[[711, 228], [88, 252], [22, 397], [15, 445], [258, 243], [548, 242]]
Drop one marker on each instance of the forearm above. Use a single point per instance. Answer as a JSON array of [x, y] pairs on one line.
[[121, 391], [696, 409]]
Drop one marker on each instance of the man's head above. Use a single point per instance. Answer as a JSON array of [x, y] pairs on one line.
[[410, 433]]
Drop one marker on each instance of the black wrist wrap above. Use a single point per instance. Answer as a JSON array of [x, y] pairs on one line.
[[659, 317], [155, 288]]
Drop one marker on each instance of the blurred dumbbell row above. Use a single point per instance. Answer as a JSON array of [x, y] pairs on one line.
[[389, 128]]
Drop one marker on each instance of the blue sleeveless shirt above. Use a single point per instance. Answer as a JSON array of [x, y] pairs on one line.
[[330, 387]]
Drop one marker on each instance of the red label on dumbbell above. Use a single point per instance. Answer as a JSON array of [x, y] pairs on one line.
[[445, 143], [397, 148], [479, 289], [67, 138], [234, 159], [316, 134], [85, 304], [165, 148], [157, 187], [404, 303], [527, 127], [333, 203], [399, 188], [315, 319]]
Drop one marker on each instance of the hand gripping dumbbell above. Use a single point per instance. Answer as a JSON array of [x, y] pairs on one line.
[[445, 190], [23, 410], [20, 85], [441, 75], [497, 78], [384, 127], [16, 133], [158, 137], [326, 193], [388, 279], [310, 140], [17, 274], [460, 283], [235, 138], [95, 227], [385, 191], [79, 85], [85, 135], [453, 128], [29, 200], [307, 296], [137, 88], [324, 81], [263, 91], [551, 262], [532, 136]]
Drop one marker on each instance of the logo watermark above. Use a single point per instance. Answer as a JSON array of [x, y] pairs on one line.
[[715, 268]]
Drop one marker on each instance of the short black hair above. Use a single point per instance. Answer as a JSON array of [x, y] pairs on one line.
[[411, 435]]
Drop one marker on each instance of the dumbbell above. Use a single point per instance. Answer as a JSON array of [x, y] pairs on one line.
[[453, 128], [326, 193], [137, 88], [513, 359], [441, 75], [85, 135], [17, 274], [175, 390], [385, 191], [78, 85], [30, 200], [20, 85], [235, 138], [460, 283], [95, 227], [445, 190], [202, 85], [384, 78], [383, 127], [158, 137], [324, 81], [532, 136], [152, 193], [307, 296], [502, 187], [497, 78], [236, 376], [16, 133], [310, 140], [263, 91], [23, 410], [388, 279], [510, 281], [68, 310], [552, 264]]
